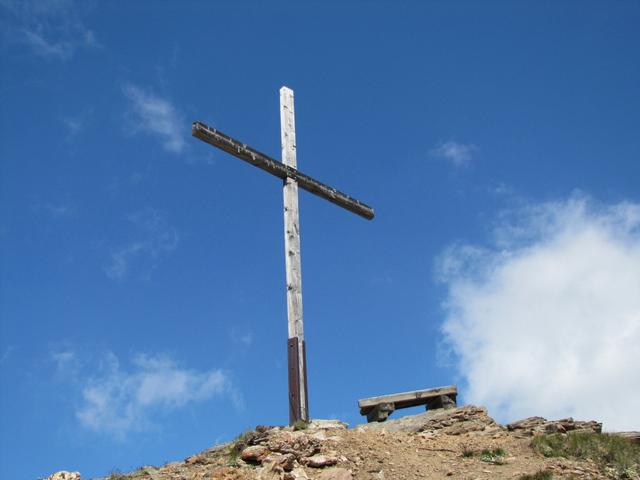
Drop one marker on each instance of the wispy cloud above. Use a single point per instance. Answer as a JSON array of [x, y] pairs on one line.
[[66, 362], [459, 154], [118, 400], [6, 353], [547, 317], [51, 29], [154, 115], [242, 337], [76, 124], [55, 210], [153, 239]]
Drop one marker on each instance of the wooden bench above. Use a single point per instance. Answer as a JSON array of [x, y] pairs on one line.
[[377, 409]]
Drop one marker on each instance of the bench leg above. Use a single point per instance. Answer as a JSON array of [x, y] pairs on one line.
[[380, 412], [442, 401]]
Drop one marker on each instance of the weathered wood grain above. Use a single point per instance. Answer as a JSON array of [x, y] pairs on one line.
[[242, 151], [406, 399], [292, 247]]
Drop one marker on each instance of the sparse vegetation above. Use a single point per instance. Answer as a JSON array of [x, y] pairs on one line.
[[117, 475], [300, 425], [541, 475], [607, 451], [495, 456], [239, 444]]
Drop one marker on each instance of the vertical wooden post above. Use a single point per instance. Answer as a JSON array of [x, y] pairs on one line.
[[298, 405]]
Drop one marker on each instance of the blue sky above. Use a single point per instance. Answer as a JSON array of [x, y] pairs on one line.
[[142, 301]]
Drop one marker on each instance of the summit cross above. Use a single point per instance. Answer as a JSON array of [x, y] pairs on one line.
[[292, 179]]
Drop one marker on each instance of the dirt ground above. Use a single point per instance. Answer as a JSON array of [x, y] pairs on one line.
[[440, 445]]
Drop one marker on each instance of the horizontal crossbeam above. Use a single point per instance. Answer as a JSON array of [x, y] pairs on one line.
[[238, 149]]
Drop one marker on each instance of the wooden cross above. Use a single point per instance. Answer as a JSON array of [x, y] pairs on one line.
[[292, 177]]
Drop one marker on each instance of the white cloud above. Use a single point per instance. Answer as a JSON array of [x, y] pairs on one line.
[[117, 402], [459, 154], [76, 124], [63, 359], [67, 363], [6, 353], [546, 321], [51, 29], [242, 337], [154, 238], [55, 211], [156, 116]]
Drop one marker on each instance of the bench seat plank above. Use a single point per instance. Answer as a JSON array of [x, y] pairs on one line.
[[406, 399]]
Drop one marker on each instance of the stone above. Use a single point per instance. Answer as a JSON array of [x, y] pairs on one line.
[[320, 461], [297, 473], [286, 461], [264, 428], [441, 401], [64, 475], [254, 454], [297, 443], [270, 471], [536, 425], [335, 473], [320, 435], [223, 473], [328, 425], [454, 421]]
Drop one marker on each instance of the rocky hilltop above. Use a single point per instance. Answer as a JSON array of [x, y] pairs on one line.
[[459, 443]]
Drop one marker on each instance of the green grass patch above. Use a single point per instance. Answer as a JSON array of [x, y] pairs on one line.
[[467, 453], [300, 425], [238, 444], [495, 456], [605, 450], [541, 475]]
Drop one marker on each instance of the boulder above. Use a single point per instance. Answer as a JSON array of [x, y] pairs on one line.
[[537, 425], [286, 461], [454, 421], [320, 461], [297, 443], [254, 454]]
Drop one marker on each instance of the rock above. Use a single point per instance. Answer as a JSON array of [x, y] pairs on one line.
[[537, 425], [328, 425], [454, 421], [296, 474], [254, 454], [64, 475], [320, 435], [264, 428], [297, 443], [224, 473], [320, 461], [335, 473], [270, 471], [286, 461]]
